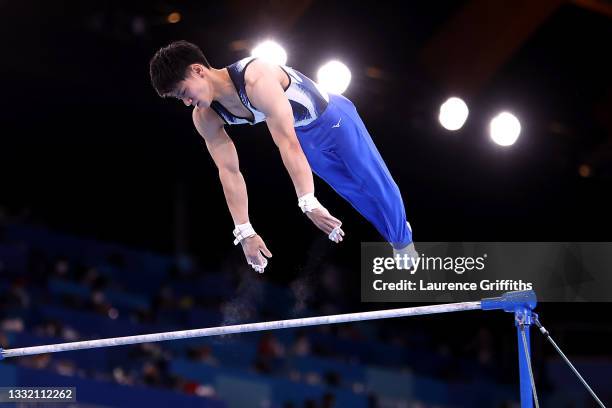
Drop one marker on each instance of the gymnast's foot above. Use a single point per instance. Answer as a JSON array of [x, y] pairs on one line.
[[408, 255]]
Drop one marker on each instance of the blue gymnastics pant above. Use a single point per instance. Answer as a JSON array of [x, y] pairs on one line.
[[340, 150]]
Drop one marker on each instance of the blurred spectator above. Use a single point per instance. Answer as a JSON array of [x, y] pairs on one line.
[[148, 351], [269, 352], [151, 374], [350, 332], [99, 302], [37, 362], [65, 367], [203, 354], [301, 345], [94, 280], [122, 377], [17, 296], [70, 334], [14, 324], [312, 378], [165, 299], [61, 269], [270, 347], [143, 316], [194, 388], [186, 302], [4, 341], [54, 328], [49, 328]]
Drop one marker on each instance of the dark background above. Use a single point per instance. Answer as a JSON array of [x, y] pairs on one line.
[[87, 147]]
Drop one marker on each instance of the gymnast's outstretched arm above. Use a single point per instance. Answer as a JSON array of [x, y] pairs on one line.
[[224, 154], [266, 93]]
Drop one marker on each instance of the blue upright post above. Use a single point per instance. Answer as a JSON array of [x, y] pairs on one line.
[[522, 305], [523, 319]]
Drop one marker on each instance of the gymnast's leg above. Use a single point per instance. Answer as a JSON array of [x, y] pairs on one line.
[[342, 153]]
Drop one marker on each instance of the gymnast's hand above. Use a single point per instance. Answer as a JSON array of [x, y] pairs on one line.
[[254, 250], [326, 223]]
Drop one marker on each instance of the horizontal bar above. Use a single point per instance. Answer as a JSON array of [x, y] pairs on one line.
[[242, 328]]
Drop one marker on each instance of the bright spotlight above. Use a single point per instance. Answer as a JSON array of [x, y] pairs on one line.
[[453, 114], [271, 52], [334, 77], [505, 129]]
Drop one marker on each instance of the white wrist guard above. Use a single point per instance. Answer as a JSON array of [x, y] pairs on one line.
[[308, 202], [243, 231]]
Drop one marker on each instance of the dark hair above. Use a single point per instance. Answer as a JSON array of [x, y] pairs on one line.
[[169, 65]]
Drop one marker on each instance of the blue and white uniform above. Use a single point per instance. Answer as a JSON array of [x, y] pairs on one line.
[[338, 147], [307, 100]]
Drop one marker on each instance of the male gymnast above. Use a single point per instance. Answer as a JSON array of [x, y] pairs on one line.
[[313, 130]]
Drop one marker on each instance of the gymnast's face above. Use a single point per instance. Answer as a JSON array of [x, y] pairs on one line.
[[196, 89]]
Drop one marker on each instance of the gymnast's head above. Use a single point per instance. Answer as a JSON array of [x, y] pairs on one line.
[[180, 70]]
